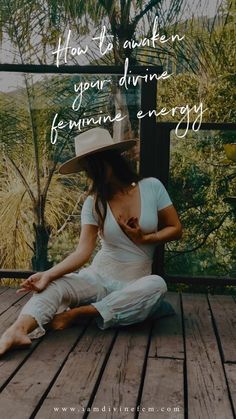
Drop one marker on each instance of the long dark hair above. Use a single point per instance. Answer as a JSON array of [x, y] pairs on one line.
[[96, 169]]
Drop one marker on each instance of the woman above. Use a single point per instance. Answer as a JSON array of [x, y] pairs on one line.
[[117, 288]]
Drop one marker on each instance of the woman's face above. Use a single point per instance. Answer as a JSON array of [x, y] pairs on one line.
[[92, 169], [84, 164], [108, 172]]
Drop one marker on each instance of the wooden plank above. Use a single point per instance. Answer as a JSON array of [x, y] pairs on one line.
[[167, 336], [206, 384], [122, 376], [224, 312], [163, 390], [23, 393], [230, 370], [8, 298], [3, 289], [76, 381]]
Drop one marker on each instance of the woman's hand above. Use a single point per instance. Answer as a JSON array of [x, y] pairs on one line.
[[132, 229], [36, 282]]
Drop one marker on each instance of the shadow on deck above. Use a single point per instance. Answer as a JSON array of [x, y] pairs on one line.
[[181, 366]]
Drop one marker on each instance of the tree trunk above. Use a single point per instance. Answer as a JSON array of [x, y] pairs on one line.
[[121, 129], [40, 260]]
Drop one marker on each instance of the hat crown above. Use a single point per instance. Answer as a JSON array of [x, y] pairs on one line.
[[91, 140]]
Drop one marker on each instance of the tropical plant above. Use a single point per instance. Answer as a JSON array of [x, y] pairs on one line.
[[25, 141]]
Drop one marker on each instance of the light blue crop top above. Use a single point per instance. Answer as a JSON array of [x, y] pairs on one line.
[[154, 198]]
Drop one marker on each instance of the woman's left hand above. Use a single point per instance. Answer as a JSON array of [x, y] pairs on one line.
[[132, 229]]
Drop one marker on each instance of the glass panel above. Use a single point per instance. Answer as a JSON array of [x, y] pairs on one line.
[[203, 187], [31, 189]]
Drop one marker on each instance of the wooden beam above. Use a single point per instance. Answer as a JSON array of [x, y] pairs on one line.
[[169, 126], [78, 69], [15, 273], [171, 279], [200, 280]]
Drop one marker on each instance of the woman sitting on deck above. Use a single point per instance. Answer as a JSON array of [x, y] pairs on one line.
[[118, 287]]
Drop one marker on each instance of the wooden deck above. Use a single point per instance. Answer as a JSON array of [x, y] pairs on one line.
[[182, 366]]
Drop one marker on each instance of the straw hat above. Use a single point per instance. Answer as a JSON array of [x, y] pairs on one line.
[[89, 142]]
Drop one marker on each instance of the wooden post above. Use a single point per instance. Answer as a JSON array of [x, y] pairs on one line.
[[162, 173], [154, 152], [148, 144]]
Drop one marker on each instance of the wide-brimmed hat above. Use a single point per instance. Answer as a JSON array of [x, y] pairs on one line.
[[89, 142]]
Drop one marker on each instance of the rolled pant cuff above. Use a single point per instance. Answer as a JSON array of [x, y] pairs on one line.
[[106, 318], [39, 331]]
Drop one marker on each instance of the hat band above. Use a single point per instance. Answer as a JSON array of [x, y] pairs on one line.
[[81, 150]]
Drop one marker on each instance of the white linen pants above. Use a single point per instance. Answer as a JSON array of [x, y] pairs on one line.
[[118, 303]]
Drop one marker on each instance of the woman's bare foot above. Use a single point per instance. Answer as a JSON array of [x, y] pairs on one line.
[[67, 318], [61, 321], [12, 339]]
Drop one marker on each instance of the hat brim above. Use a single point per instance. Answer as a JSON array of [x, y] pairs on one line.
[[75, 165]]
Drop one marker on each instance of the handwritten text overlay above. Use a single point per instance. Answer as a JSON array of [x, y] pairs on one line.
[[65, 51]]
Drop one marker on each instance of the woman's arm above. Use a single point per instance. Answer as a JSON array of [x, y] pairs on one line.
[[170, 227], [86, 245], [80, 256]]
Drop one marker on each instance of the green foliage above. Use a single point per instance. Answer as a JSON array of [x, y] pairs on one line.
[[201, 178], [199, 183]]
